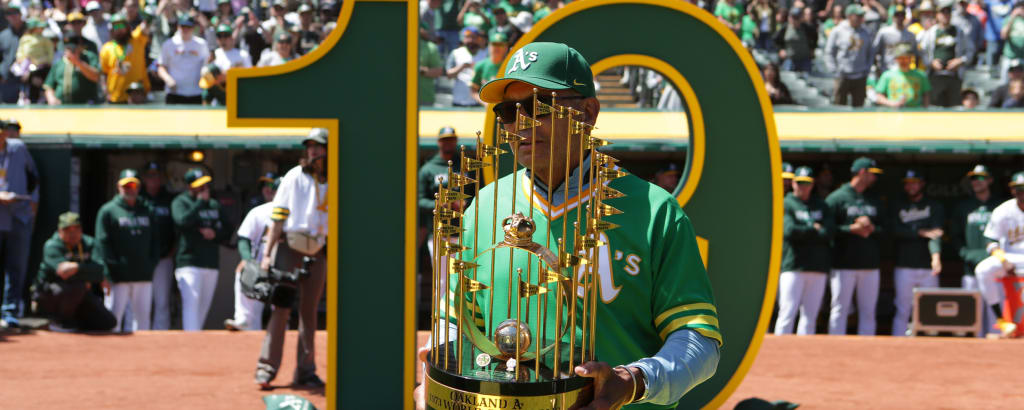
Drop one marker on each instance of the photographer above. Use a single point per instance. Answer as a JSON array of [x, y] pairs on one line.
[[295, 248]]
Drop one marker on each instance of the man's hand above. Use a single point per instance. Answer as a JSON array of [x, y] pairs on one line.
[[420, 394], [170, 84], [611, 386], [817, 226], [936, 64], [934, 233], [936, 264], [208, 233], [6, 198], [1009, 268], [67, 269], [954, 63], [898, 103]]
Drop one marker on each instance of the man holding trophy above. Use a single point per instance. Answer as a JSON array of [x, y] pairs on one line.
[[571, 284]]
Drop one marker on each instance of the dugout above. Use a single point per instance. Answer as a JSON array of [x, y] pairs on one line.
[[79, 151]]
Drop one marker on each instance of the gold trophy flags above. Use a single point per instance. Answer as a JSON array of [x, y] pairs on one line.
[[600, 226], [490, 150], [527, 290], [448, 230], [594, 142], [448, 248], [447, 195], [446, 213], [505, 137], [587, 243], [475, 164], [455, 265], [473, 285], [460, 180], [607, 210], [610, 173], [610, 193], [525, 122]]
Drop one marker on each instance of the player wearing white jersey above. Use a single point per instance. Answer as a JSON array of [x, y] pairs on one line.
[[248, 311], [1005, 230]]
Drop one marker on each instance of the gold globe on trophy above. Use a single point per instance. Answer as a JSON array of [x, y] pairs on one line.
[[514, 310]]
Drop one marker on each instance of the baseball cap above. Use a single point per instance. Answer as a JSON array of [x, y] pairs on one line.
[[787, 170], [219, 2], [1017, 180], [153, 167], [185, 20], [92, 6], [902, 49], [865, 163], [208, 76], [796, 12], [305, 8], [446, 132], [899, 9], [223, 28], [979, 171], [926, 5], [196, 178], [498, 37], [283, 37], [913, 175], [117, 18], [12, 123], [268, 177], [803, 174], [33, 23], [318, 135], [945, 4], [75, 16], [128, 176], [854, 9], [279, 3], [470, 29], [672, 168], [137, 86], [554, 66], [68, 219]]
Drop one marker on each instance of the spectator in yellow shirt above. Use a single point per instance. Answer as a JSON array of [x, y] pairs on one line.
[[32, 61], [123, 58]]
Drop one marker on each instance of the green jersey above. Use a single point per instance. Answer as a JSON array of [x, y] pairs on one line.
[[651, 280], [967, 230], [69, 84], [912, 249], [483, 72], [1014, 47], [731, 13], [853, 251], [805, 248], [127, 240], [911, 85], [90, 268], [190, 214], [429, 57]]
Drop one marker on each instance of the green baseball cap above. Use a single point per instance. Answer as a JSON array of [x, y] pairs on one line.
[[854, 9], [196, 178], [787, 170], [219, 2], [223, 28], [498, 37], [68, 219], [902, 49], [1017, 180], [35, 23], [318, 135], [128, 176], [865, 163], [117, 18], [553, 66], [979, 171], [446, 132], [803, 174], [913, 175]]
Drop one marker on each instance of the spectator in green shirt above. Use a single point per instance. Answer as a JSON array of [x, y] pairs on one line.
[[487, 69], [730, 14], [430, 67], [73, 78], [549, 7], [900, 86], [1012, 34]]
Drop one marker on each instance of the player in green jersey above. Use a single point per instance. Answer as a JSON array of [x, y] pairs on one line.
[[657, 333]]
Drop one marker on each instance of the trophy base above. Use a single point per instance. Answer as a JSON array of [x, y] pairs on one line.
[[446, 391]]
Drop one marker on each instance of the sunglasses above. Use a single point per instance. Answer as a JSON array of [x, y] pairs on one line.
[[506, 110]]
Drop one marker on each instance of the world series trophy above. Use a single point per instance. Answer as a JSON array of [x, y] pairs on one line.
[[514, 312]]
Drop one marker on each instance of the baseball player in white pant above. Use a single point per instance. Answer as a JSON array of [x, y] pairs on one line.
[[917, 230], [857, 249], [248, 311], [137, 295], [197, 286], [163, 280], [202, 227], [808, 227], [1006, 231]]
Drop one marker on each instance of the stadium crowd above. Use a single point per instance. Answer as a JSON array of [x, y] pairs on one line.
[[135, 52]]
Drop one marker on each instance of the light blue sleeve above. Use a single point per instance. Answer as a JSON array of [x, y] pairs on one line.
[[685, 360]]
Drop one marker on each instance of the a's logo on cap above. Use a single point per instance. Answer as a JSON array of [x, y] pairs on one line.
[[574, 82], [521, 61]]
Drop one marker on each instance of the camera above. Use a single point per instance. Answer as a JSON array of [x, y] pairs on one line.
[[284, 284]]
